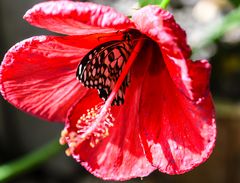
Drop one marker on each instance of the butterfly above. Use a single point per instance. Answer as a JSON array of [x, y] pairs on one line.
[[102, 66]]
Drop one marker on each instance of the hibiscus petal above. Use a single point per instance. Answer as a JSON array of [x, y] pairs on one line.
[[76, 18], [178, 134], [160, 25], [38, 75], [119, 156]]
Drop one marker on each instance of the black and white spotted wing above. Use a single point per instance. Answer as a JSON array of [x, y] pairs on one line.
[[102, 66]]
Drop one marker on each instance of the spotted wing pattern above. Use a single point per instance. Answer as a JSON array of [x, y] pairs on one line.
[[102, 66]]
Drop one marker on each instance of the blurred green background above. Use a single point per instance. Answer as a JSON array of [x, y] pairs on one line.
[[21, 133]]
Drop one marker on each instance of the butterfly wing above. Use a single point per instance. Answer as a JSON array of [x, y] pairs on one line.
[[102, 66]]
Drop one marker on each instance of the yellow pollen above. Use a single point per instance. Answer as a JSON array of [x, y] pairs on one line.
[[68, 152], [93, 126], [62, 139]]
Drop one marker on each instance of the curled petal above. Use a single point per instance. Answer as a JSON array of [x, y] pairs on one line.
[[76, 18], [38, 75], [178, 134], [160, 25], [152, 21]]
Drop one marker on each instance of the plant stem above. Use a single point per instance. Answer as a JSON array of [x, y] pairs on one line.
[[29, 161], [164, 4]]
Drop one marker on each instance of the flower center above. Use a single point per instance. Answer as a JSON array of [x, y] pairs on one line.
[[92, 126]]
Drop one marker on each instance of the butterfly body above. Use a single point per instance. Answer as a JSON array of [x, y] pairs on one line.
[[102, 66]]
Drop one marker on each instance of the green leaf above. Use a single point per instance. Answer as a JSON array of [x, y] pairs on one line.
[[28, 162], [235, 2], [162, 3], [229, 22]]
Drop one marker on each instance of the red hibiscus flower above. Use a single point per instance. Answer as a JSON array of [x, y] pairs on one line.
[[141, 104]]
